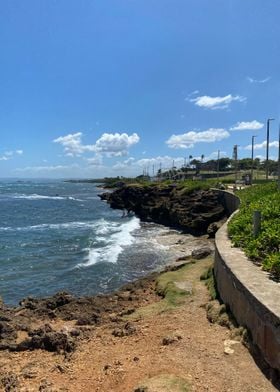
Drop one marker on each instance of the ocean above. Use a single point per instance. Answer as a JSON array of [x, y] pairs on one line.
[[57, 235]]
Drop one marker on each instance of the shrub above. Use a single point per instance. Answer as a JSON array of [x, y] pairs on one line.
[[265, 247]]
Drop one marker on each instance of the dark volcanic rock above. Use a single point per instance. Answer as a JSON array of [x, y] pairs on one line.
[[10, 382], [47, 339], [200, 253], [18, 323], [171, 205]]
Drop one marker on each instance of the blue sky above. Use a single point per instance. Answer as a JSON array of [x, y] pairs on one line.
[[93, 88]]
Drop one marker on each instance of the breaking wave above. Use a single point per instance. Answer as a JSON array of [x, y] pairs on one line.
[[35, 196], [116, 238]]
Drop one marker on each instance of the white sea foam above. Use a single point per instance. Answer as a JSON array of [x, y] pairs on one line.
[[35, 196], [121, 237], [54, 226]]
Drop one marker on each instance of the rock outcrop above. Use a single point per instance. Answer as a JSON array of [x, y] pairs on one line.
[[190, 211]]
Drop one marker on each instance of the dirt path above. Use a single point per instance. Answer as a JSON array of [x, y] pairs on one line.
[[169, 345]]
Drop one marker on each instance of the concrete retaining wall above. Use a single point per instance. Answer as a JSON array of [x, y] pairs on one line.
[[253, 299]]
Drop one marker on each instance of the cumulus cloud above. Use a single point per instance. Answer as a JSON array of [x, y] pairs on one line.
[[109, 144], [252, 80], [115, 144], [213, 103], [247, 125], [72, 144], [189, 139], [259, 146]]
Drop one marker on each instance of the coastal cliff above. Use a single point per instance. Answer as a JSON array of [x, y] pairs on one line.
[[193, 211]]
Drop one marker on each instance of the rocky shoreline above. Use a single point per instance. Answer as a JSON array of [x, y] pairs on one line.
[[196, 212], [56, 323]]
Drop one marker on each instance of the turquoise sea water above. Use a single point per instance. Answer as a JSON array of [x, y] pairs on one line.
[[60, 236]]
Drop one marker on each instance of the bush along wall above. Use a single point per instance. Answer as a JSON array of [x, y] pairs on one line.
[[263, 248]]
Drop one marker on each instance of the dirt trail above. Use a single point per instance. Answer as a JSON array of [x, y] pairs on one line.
[[160, 347]]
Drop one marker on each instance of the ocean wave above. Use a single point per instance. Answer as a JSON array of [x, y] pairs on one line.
[[35, 196], [120, 237], [54, 226]]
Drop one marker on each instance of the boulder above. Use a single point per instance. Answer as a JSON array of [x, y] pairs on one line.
[[201, 253]]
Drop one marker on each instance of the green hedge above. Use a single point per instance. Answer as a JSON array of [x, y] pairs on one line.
[[265, 247]]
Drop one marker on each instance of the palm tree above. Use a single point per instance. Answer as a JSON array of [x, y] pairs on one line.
[[190, 157]]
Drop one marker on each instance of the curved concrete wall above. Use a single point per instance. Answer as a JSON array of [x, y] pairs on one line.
[[251, 296]]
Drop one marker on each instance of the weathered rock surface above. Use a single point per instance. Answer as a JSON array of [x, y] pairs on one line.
[[36, 323], [202, 252], [171, 205]]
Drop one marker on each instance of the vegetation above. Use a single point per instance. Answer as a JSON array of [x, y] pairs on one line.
[[209, 278], [263, 248]]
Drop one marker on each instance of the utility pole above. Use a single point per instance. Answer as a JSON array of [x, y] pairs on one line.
[[267, 146], [235, 160], [279, 159], [218, 166], [252, 167]]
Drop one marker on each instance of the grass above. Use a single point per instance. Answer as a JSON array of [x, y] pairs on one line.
[[208, 277], [167, 288], [172, 296]]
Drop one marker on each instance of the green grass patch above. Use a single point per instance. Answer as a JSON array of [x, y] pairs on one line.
[[172, 296], [209, 278], [167, 288], [265, 247]]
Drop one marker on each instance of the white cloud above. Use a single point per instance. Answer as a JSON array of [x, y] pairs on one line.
[[163, 161], [208, 102], [95, 161], [10, 154], [72, 144], [262, 145], [252, 80], [125, 164], [115, 144], [46, 169], [247, 125], [189, 139], [214, 155], [109, 144]]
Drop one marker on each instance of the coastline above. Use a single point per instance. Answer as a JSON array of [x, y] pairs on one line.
[[139, 336]]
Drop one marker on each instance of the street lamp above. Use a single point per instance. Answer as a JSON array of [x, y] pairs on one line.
[[279, 158], [267, 145], [252, 167]]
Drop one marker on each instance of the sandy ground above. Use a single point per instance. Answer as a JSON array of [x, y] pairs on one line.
[[176, 342]]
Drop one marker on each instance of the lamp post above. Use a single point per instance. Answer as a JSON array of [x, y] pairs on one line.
[[279, 159], [267, 146], [252, 167], [235, 161], [218, 166]]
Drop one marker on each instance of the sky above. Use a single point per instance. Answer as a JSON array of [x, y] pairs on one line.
[[95, 88]]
